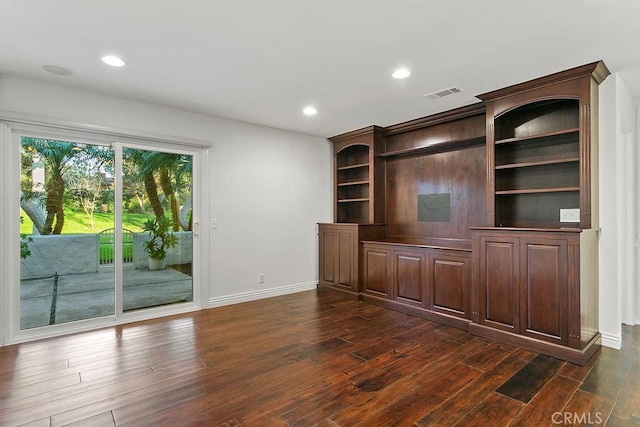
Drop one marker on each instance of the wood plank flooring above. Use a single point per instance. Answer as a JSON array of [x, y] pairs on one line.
[[308, 359]]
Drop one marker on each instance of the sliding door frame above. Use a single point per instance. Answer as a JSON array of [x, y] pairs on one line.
[[10, 133], [196, 302]]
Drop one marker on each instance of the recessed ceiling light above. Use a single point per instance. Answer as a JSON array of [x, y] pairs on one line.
[[58, 70], [401, 73], [113, 60], [310, 111]]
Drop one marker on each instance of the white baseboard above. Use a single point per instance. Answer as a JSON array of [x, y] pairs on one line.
[[612, 341], [260, 294]]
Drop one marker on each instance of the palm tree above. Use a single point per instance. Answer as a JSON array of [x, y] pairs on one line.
[[135, 161], [58, 156], [174, 173]]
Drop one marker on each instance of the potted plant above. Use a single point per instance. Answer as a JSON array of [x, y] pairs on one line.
[[160, 239]]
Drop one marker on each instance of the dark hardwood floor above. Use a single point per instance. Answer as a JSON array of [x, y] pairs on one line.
[[308, 359]]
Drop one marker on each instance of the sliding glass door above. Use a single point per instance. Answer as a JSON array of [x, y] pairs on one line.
[[158, 267], [66, 189], [105, 231]]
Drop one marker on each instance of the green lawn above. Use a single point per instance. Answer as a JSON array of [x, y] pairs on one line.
[[78, 223], [106, 253]]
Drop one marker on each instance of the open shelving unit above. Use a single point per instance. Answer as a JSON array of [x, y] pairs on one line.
[[537, 164], [353, 184], [355, 176]]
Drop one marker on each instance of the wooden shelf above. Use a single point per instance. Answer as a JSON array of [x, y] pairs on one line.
[[360, 165], [352, 200], [434, 147], [537, 163], [538, 136], [538, 190], [539, 227], [344, 184]]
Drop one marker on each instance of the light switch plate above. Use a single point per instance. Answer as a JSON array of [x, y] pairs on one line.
[[569, 215]]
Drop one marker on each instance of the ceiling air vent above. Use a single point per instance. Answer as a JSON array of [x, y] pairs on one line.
[[445, 92]]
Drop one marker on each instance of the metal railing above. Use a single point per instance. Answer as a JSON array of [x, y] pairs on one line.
[[106, 246]]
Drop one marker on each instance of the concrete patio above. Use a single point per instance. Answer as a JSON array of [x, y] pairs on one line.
[[90, 295]]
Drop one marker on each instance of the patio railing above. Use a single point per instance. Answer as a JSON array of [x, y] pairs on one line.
[[106, 240]]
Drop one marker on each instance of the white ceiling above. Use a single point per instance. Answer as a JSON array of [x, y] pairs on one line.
[[263, 61]]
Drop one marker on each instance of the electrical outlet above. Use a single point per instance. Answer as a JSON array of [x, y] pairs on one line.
[[261, 278], [569, 215]]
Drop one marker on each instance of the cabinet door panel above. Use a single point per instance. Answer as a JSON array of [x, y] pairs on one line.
[[328, 256], [499, 275], [449, 284], [409, 280], [346, 259], [544, 290], [377, 268]]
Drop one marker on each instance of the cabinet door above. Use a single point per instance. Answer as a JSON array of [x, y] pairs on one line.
[[543, 289], [409, 281], [449, 284], [347, 261], [327, 254], [499, 276], [377, 269], [338, 256]]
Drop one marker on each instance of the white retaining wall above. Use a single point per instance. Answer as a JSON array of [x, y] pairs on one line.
[[62, 254], [78, 253]]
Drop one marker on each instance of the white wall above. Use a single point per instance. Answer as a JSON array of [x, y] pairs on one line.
[[636, 170], [266, 188], [617, 205], [268, 193]]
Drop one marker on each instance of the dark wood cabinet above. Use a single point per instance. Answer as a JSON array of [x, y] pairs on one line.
[[530, 273], [532, 284], [483, 217], [339, 254], [422, 280]]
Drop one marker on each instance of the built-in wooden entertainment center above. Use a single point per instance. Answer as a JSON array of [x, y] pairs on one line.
[[483, 217]]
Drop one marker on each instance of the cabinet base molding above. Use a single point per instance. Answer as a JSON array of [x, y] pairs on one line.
[[417, 311], [398, 306], [345, 293], [573, 355]]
